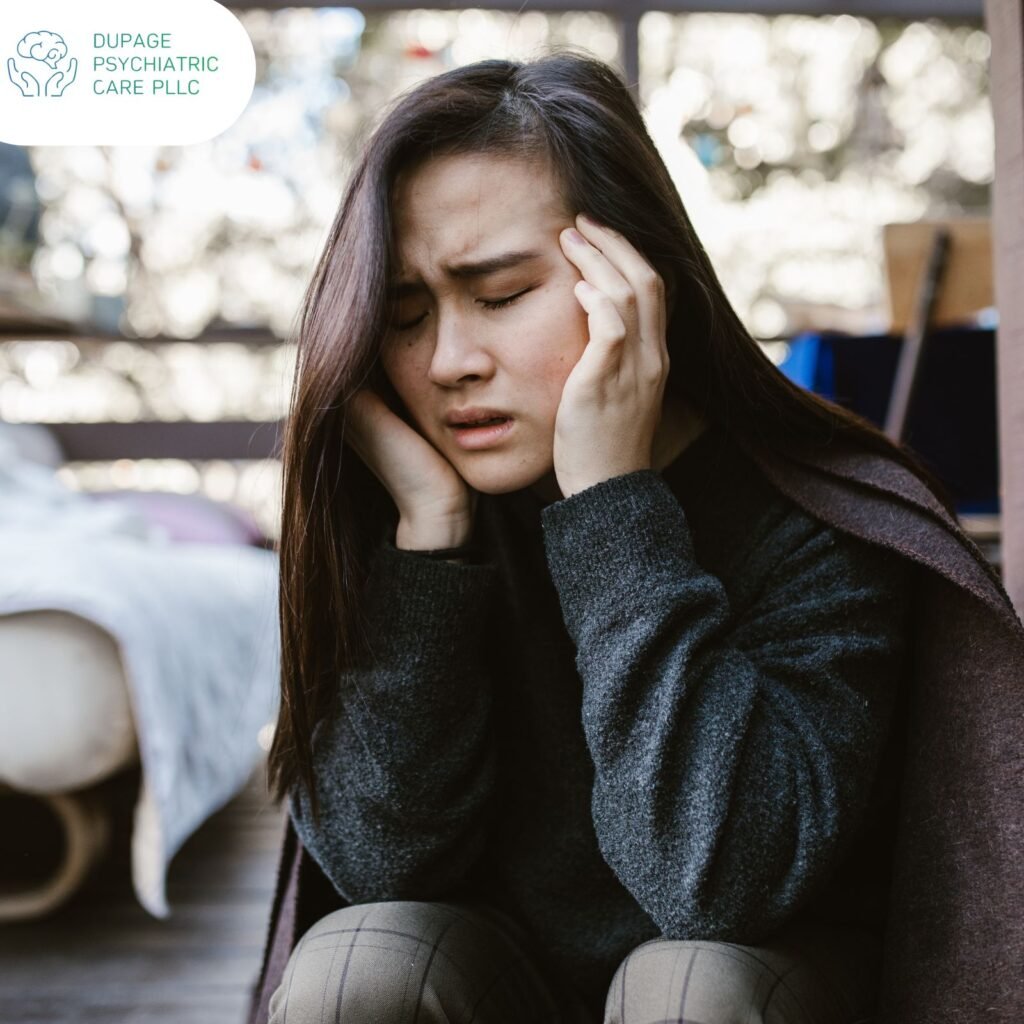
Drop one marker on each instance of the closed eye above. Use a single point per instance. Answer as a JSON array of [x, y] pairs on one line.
[[498, 303], [486, 303]]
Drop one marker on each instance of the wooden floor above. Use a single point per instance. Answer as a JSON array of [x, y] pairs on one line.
[[102, 958]]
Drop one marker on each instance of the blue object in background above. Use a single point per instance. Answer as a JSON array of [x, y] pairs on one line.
[[20, 209], [952, 421]]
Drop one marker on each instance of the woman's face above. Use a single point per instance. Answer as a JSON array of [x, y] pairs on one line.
[[457, 352]]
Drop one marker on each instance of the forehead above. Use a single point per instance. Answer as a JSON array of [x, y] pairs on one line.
[[453, 208]]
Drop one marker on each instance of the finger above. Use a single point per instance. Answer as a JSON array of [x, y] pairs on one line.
[[363, 433], [359, 413], [599, 271], [604, 351], [645, 282], [645, 355]]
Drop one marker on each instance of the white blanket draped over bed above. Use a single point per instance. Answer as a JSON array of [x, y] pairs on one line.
[[196, 625]]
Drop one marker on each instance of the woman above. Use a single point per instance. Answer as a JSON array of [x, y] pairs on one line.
[[582, 718]]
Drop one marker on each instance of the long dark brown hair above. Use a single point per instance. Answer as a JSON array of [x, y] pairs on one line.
[[574, 111]]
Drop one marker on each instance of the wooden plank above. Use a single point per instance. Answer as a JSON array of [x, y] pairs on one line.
[[1005, 23], [14, 329], [102, 958], [967, 284], [168, 439]]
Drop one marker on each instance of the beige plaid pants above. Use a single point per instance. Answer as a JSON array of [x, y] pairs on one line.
[[409, 962]]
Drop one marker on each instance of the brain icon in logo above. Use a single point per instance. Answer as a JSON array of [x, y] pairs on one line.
[[44, 50], [45, 46]]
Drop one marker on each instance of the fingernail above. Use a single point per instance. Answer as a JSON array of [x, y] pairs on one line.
[[575, 236], [588, 220]]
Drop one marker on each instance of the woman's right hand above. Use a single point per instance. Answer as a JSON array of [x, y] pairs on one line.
[[435, 504]]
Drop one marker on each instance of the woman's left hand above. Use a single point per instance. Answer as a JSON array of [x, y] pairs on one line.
[[611, 401]]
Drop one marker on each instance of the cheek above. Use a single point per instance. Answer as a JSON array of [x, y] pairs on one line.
[[556, 344], [403, 372]]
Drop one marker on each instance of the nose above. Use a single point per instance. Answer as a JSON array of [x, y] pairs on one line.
[[458, 350]]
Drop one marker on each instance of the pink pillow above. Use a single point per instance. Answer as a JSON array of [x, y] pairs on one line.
[[191, 517]]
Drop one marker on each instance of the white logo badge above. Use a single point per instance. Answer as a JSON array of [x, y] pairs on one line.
[[122, 72]]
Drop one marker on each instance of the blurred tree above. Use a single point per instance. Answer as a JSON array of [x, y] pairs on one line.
[[19, 208]]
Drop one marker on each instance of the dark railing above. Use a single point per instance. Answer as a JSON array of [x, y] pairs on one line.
[[157, 439]]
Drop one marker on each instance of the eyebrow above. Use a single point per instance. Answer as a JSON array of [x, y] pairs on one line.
[[467, 269]]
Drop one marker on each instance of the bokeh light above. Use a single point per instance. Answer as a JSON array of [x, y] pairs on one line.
[[792, 140]]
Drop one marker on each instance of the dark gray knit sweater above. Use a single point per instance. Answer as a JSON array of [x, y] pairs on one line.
[[663, 705]]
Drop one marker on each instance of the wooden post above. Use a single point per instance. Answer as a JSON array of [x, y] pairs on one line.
[[629, 47], [1004, 20]]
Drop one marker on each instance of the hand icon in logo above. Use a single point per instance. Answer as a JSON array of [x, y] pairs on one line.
[[24, 80], [60, 80], [44, 50]]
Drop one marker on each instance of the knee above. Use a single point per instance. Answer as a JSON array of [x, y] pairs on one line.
[[369, 959], [711, 982]]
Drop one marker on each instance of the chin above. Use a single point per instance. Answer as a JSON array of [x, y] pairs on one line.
[[501, 475]]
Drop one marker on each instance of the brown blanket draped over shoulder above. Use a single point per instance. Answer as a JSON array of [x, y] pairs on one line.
[[955, 927]]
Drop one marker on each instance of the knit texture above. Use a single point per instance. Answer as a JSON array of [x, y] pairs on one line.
[[662, 706]]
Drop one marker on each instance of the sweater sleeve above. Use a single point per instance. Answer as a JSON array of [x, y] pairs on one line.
[[404, 767], [734, 753]]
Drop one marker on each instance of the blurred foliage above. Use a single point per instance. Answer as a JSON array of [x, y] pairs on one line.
[[794, 139], [791, 139], [92, 381]]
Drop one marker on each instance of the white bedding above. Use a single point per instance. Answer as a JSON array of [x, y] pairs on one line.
[[196, 625]]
